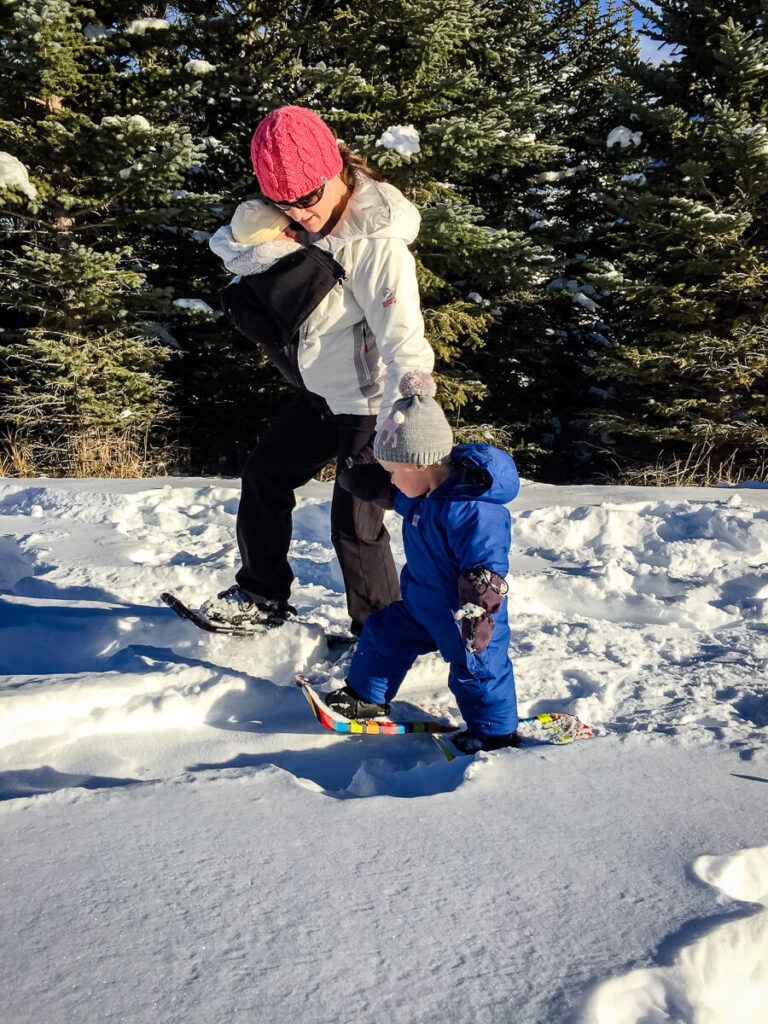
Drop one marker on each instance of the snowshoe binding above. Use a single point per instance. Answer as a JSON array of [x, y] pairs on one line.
[[234, 609]]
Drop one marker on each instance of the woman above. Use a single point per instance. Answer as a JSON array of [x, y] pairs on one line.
[[345, 353]]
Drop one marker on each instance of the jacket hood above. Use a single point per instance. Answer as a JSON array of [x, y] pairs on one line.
[[375, 209], [483, 473]]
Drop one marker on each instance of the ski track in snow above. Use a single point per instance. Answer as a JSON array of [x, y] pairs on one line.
[[641, 611]]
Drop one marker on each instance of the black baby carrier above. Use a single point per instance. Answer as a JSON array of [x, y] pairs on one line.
[[270, 308]]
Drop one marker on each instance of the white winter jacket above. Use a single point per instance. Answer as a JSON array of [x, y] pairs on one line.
[[368, 331]]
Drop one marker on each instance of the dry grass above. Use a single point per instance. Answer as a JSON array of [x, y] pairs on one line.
[[698, 469], [103, 454], [483, 433], [92, 453], [327, 473], [16, 457]]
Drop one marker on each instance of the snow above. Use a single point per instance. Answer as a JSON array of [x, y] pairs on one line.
[[583, 300], [717, 977], [199, 67], [13, 174], [569, 172], [128, 172], [567, 284], [131, 121], [196, 305], [403, 138], [141, 25], [182, 842], [470, 611], [623, 137]]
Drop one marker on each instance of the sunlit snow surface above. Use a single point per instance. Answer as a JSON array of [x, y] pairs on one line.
[[181, 841]]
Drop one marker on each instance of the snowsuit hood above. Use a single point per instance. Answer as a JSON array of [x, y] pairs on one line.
[[483, 473]]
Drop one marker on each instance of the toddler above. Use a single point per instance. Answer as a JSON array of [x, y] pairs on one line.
[[456, 535]]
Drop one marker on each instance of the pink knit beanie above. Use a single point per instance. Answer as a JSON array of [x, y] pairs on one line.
[[292, 151]]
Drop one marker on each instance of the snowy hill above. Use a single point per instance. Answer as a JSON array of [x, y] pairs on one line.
[[183, 843]]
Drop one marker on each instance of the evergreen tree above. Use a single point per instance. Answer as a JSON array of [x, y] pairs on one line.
[[688, 375], [558, 196], [82, 389], [213, 70]]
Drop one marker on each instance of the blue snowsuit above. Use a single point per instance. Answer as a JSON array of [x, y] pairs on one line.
[[462, 524]]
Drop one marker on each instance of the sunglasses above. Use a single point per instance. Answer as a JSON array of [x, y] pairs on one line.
[[303, 202]]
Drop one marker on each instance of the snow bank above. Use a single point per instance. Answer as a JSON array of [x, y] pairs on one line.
[[718, 978]]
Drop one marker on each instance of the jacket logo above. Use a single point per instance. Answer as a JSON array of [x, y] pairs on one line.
[[389, 298]]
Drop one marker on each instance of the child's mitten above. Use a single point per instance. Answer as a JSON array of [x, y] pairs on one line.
[[481, 593]]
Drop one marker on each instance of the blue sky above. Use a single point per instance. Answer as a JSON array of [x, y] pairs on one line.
[[650, 50]]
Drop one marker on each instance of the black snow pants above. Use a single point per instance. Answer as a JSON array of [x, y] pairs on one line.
[[304, 438]]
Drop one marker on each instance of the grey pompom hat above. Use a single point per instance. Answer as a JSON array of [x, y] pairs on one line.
[[416, 430]]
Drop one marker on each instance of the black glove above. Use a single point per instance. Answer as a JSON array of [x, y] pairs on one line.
[[365, 478]]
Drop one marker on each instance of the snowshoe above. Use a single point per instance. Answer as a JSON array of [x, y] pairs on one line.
[[233, 609]]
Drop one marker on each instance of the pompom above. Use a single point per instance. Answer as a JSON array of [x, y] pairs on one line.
[[418, 384]]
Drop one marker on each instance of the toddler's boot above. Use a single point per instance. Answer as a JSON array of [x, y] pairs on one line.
[[351, 705], [469, 742]]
